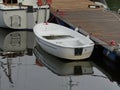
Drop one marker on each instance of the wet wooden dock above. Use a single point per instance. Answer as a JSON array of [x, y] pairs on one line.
[[101, 23]]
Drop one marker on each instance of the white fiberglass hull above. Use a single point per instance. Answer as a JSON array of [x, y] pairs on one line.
[[22, 17], [67, 53], [65, 48]]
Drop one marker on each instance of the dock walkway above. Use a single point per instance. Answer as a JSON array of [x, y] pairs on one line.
[[101, 23]]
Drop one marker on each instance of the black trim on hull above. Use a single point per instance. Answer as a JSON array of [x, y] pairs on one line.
[[25, 29]]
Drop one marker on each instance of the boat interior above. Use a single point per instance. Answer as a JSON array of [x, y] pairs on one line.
[[66, 40], [57, 37]]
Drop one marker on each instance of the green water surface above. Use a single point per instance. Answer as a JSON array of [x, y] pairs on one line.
[[114, 5]]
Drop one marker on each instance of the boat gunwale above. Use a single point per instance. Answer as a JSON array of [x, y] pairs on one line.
[[12, 7], [68, 30], [4, 9]]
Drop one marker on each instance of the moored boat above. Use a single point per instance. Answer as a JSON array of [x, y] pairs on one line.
[[23, 14], [63, 42]]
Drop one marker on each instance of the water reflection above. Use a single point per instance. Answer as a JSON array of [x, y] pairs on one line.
[[23, 71], [62, 66], [17, 42]]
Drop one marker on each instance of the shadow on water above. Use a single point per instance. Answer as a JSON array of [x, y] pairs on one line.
[[20, 69], [109, 67]]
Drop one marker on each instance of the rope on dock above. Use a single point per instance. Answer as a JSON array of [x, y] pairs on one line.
[[112, 45]]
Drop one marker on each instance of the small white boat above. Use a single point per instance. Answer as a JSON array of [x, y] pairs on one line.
[[23, 14], [63, 42]]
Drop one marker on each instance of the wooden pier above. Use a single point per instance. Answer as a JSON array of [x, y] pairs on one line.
[[99, 22]]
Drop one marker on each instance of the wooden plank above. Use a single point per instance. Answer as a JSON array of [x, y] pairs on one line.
[[101, 23]]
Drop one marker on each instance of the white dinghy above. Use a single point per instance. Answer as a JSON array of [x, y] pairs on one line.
[[63, 42]]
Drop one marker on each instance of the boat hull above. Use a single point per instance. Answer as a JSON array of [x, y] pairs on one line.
[[16, 17], [66, 53]]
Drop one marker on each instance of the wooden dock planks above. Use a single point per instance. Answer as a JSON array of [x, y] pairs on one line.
[[101, 23]]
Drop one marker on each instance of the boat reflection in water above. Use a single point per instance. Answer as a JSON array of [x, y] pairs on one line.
[[20, 71], [16, 42], [62, 66]]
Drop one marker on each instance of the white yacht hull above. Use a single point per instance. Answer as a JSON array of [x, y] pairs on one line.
[[23, 17]]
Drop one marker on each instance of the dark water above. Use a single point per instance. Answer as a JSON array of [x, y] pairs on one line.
[[114, 5], [23, 73]]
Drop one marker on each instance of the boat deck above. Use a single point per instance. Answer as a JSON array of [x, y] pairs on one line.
[[101, 23]]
